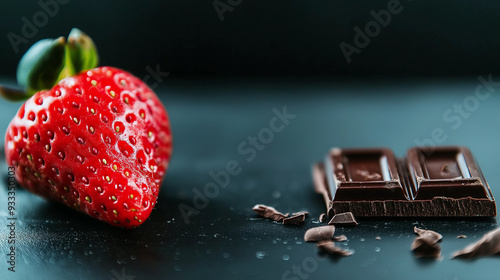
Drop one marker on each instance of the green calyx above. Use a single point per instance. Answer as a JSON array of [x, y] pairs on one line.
[[50, 60], [40, 67], [81, 51]]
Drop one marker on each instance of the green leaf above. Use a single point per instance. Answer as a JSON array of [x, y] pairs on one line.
[[41, 65], [50, 60], [82, 51]]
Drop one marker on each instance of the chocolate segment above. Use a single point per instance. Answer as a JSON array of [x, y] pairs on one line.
[[429, 182], [449, 172], [369, 174]]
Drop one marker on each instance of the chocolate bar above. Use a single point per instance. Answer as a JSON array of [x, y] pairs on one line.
[[428, 182]]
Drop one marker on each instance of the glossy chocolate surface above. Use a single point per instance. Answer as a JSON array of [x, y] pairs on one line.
[[447, 171], [430, 181], [367, 174]]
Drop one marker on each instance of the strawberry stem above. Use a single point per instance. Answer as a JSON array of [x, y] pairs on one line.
[[12, 94], [50, 60]]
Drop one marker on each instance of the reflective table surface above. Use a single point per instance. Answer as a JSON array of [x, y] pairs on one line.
[[268, 135]]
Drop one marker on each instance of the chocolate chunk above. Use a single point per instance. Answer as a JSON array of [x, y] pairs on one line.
[[305, 213], [431, 236], [422, 249], [329, 247], [322, 217], [462, 236], [343, 219], [429, 182], [488, 245], [340, 238], [296, 218], [319, 233], [269, 212], [426, 244]]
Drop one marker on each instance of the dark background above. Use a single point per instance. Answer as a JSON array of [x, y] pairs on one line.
[[271, 38]]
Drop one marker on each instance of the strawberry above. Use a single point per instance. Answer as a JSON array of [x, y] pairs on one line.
[[98, 141]]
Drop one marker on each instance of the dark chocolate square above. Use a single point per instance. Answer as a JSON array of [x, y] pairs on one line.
[[363, 174], [445, 171]]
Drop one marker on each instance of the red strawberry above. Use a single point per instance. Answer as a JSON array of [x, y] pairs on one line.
[[98, 142]]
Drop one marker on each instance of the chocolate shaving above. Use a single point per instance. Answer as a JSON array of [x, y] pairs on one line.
[[300, 213], [430, 235], [296, 218], [319, 233], [461, 236], [343, 219], [340, 238], [426, 244], [269, 212], [322, 217], [488, 245], [329, 247]]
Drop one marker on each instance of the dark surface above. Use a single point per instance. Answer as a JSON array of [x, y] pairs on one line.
[[227, 240], [263, 38]]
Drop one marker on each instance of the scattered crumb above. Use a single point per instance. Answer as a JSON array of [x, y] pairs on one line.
[[488, 245], [319, 233], [305, 213], [329, 247], [269, 212], [430, 235], [340, 238], [322, 217], [377, 238], [426, 243], [462, 236], [296, 218]]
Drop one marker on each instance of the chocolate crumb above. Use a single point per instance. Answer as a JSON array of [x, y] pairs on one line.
[[305, 213], [426, 243], [343, 219], [422, 249], [322, 217], [488, 245], [430, 235], [319, 233], [340, 238], [462, 236], [329, 247], [269, 212], [296, 218]]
